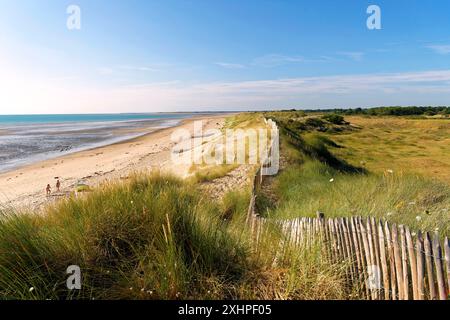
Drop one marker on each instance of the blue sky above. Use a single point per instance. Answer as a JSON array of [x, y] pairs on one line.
[[144, 56]]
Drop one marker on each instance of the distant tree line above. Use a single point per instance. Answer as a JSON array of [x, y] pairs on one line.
[[389, 111]]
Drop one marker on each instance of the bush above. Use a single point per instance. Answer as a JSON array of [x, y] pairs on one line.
[[314, 122], [334, 118]]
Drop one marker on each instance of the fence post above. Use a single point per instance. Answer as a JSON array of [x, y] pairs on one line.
[[429, 264], [348, 248], [412, 262], [364, 262], [383, 261], [370, 237], [376, 249], [438, 263], [398, 263], [404, 262], [447, 261], [391, 261], [335, 240], [364, 234], [420, 267], [356, 244]]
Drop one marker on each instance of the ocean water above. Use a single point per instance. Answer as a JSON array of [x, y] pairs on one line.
[[25, 139]]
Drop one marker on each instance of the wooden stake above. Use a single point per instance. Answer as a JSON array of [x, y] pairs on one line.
[[373, 262], [383, 260], [404, 263], [391, 261], [368, 259], [420, 267], [447, 262], [398, 263], [412, 263], [364, 262], [429, 264], [438, 263]]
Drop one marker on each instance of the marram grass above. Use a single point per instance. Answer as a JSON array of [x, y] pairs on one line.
[[153, 237]]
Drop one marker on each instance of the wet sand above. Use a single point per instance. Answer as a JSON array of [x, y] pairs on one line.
[[25, 187]]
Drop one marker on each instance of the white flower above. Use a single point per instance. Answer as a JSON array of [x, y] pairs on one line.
[[390, 171], [389, 214], [31, 289], [436, 229], [331, 180], [132, 201], [418, 218]]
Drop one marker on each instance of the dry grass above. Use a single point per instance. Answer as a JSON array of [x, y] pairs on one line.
[[406, 176], [420, 146]]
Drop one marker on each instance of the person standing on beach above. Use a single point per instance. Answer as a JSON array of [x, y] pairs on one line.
[[58, 185], [48, 190]]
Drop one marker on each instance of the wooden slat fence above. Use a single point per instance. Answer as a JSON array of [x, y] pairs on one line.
[[388, 262]]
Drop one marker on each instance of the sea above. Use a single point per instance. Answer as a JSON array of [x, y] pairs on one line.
[[25, 139]]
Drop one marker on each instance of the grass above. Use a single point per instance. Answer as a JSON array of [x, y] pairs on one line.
[[246, 120], [369, 168], [153, 237], [204, 173], [417, 146], [153, 234], [401, 198]]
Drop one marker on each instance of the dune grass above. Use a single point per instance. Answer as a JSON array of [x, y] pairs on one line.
[[417, 146], [401, 198], [153, 237], [205, 173], [322, 173]]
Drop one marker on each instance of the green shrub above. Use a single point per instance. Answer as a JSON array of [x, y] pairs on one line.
[[314, 122], [334, 118]]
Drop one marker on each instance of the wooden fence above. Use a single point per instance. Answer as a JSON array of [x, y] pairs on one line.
[[388, 262], [270, 160], [385, 260]]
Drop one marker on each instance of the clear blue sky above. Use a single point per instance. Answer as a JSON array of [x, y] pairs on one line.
[[132, 56]]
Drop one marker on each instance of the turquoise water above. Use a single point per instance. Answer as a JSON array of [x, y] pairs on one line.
[[64, 118], [25, 139]]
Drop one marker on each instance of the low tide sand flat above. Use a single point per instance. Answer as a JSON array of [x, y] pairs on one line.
[[25, 187]]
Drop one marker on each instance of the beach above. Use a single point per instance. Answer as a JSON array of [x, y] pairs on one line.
[[25, 187]]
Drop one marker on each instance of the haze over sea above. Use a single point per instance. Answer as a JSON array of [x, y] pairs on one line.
[[25, 139]]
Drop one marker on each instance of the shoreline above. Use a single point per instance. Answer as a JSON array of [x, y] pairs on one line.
[[125, 132], [130, 135], [24, 187]]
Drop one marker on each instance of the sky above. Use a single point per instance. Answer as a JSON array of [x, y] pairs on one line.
[[210, 55]]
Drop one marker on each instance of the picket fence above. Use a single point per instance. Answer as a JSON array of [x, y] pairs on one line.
[[386, 261]]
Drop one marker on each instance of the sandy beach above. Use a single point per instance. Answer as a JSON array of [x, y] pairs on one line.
[[25, 187]]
